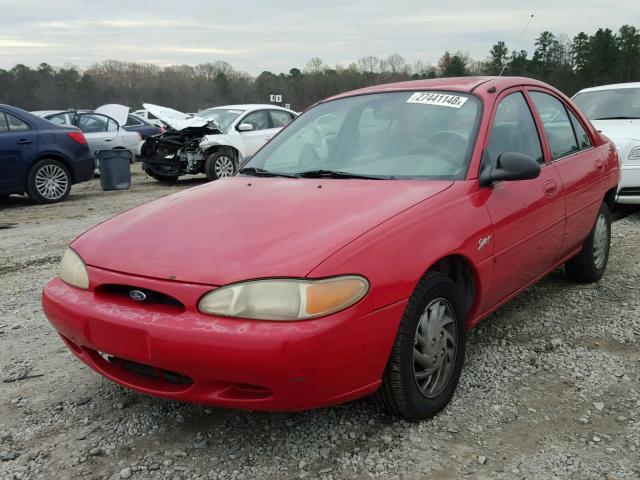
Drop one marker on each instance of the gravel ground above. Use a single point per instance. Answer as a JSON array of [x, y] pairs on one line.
[[551, 386]]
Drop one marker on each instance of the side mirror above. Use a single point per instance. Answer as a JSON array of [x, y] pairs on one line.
[[510, 166], [245, 127]]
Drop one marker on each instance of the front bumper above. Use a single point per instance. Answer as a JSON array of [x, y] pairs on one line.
[[181, 354], [629, 187]]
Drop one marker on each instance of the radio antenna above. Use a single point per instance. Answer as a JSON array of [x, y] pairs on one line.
[[517, 43]]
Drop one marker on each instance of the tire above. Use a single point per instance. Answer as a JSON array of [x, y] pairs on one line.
[[219, 165], [49, 181], [162, 178], [589, 265], [408, 390]]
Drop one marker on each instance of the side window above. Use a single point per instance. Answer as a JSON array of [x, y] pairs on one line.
[[556, 123], [4, 127], [132, 121], [259, 120], [280, 119], [62, 119], [15, 124], [514, 130], [92, 123], [112, 125], [583, 139]]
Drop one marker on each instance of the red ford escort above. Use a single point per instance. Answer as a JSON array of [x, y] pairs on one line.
[[350, 255]]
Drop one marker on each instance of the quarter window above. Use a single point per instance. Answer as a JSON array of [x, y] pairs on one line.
[[258, 120], [556, 123], [514, 130], [15, 124]]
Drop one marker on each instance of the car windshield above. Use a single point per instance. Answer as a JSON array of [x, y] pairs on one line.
[[223, 117], [396, 135], [618, 103]]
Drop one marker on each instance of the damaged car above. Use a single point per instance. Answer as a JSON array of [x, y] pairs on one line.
[[214, 142]]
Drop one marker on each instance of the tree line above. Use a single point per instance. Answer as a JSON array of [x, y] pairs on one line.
[[569, 64]]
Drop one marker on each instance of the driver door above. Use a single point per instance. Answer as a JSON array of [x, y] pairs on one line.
[[254, 139], [528, 216]]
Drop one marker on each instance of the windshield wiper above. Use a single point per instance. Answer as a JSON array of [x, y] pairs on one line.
[[261, 172], [338, 174], [617, 118]]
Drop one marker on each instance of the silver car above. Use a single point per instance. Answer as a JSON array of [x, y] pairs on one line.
[[103, 132]]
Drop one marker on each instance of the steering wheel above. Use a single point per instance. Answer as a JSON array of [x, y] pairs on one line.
[[449, 145]]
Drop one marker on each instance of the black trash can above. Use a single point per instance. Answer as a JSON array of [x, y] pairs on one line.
[[115, 169]]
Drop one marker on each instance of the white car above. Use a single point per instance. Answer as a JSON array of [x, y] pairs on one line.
[[615, 111], [149, 117], [214, 142]]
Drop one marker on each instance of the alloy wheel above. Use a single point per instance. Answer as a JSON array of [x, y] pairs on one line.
[[223, 166], [51, 182]]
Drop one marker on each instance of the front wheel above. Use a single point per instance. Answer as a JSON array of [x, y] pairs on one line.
[[49, 181], [589, 265], [424, 366], [219, 165]]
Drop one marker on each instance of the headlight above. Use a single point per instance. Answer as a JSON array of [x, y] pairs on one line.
[[73, 270], [284, 299], [634, 154]]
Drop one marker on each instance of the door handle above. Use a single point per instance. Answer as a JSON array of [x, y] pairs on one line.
[[269, 137], [599, 164], [24, 141], [550, 188], [107, 139]]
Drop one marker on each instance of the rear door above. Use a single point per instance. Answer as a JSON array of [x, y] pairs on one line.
[[528, 216], [582, 167], [18, 145], [100, 131]]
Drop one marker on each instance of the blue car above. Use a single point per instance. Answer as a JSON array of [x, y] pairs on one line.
[[138, 124], [39, 158]]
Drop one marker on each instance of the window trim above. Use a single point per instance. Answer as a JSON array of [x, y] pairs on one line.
[[567, 109], [6, 122]]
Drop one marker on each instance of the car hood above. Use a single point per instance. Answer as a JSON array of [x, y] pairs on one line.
[[118, 112], [174, 118], [619, 129], [240, 228]]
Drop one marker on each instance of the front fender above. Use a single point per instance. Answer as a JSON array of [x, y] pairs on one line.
[[396, 254]]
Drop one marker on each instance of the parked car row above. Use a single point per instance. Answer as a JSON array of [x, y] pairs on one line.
[[215, 141]]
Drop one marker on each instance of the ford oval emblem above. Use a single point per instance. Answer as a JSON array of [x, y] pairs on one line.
[[138, 295]]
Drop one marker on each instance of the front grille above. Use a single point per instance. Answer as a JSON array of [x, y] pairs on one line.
[[152, 297], [152, 373], [629, 191]]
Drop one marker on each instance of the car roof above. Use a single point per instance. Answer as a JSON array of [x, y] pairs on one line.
[[251, 106], [454, 84], [39, 122], [612, 86]]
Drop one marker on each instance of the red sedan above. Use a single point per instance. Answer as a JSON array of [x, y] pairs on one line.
[[350, 255]]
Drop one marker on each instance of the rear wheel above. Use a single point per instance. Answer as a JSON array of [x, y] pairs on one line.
[[161, 177], [219, 165], [427, 356], [49, 181], [589, 265]]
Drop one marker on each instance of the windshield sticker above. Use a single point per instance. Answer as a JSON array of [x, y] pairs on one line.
[[429, 98]]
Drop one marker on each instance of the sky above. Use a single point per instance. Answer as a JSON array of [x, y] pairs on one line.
[[278, 35]]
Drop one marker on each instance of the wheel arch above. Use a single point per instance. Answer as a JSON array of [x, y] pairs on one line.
[[610, 198], [462, 273], [233, 151], [51, 156]]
